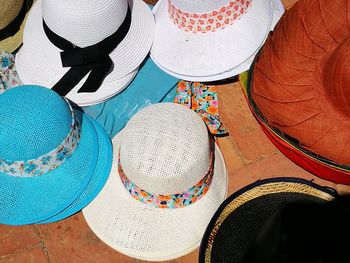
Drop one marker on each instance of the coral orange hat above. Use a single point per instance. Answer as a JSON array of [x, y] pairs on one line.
[[301, 79]]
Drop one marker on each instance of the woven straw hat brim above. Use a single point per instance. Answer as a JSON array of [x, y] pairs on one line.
[[96, 182], [202, 55], [239, 218], [123, 83], [12, 43], [291, 72], [38, 61], [244, 66], [227, 74], [9, 11], [148, 233], [33, 199]]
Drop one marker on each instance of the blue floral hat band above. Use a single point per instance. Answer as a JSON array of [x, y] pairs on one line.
[[8, 74], [46, 162]]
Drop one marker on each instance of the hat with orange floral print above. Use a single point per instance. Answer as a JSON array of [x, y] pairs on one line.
[[167, 180], [200, 40], [203, 99]]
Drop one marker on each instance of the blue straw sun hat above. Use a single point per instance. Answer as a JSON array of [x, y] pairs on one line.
[[53, 159]]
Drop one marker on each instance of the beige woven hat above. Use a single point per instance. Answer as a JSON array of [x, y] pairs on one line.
[[167, 180], [12, 18]]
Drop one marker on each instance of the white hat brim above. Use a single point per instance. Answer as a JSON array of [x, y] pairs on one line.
[[123, 83], [149, 233], [38, 61], [212, 53], [244, 66], [224, 75]]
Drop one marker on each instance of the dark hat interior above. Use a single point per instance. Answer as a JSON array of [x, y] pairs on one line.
[[285, 225], [303, 232]]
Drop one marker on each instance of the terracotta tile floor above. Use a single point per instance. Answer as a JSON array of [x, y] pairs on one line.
[[249, 157]]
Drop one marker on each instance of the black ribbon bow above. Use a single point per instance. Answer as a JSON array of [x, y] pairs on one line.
[[12, 28], [94, 59]]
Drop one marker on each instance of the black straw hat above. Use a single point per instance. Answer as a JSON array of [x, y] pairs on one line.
[[278, 220]]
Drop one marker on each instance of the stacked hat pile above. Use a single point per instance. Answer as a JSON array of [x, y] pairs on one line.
[[54, 159], [211, 40], [87, 52], [62, 161], [159, 186]]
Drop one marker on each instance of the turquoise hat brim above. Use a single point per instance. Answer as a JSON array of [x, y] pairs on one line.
[[97, 181], [32, 199]]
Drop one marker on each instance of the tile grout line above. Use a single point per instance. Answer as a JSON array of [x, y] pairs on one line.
[[260, 159], [246, 161], [235, 148], [42, 243], [20, 250]]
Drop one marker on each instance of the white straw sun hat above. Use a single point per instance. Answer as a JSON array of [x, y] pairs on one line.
[[201, 38], [277, 12], [224, 75], [85, 23], [164, 150]]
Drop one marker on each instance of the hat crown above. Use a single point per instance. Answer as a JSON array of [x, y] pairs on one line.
[[84, 22], [34, 121], [165, 149], [336, 77], [8, 11], [199, 6]]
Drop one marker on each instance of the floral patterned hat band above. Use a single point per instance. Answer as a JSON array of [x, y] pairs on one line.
[[209, 21], [8, 74], [176, 200], [47, 162], [203, 99]]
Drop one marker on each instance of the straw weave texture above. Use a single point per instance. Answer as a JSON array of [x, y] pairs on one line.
[[159, 147], [241, 218], [9, 10], [301, 80], [35, 120]]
